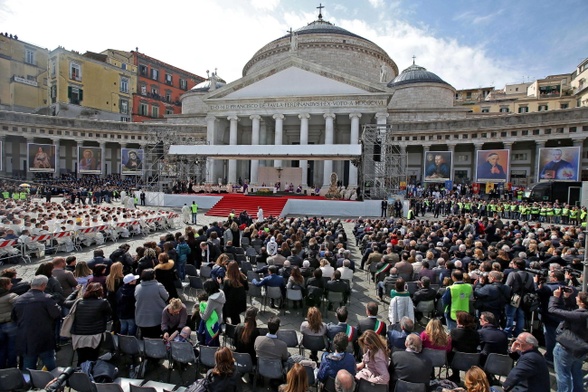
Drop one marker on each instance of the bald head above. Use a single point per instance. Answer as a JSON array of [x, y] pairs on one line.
[[344, 381]]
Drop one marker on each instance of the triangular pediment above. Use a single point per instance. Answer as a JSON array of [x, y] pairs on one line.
[[294, 81], [295, 77]]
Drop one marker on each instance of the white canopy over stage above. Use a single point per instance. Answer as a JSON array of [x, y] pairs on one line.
[[292, 152]]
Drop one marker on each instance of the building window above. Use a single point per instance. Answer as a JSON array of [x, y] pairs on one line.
[[543, 108], [468, 95], [155, 111], [183, 84], [75, 95], [504, 109], [462, 158], [142, 70], [154, 74], [124, 106], [75, 71], [522, 156], [168, 96], [143, 109], [169, 111], [123, 66], [564, 106], [143, 89], [53, 68], [169, 79], [124, 119], [29, 56], [485, 110], [523, 109], [124, 85], [154, 92]]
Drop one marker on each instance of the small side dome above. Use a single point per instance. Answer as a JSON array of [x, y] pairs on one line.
[[416, 74], [213, 80]]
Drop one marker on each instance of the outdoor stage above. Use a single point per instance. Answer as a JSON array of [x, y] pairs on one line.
[[297, 205]]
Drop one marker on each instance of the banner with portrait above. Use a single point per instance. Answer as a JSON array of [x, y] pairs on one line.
[[131, 161], [492, 166], [90, 160], [559, 163], [438, 166], [41, 157]]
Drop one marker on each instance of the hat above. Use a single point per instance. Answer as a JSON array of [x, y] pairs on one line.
[[129, 278]]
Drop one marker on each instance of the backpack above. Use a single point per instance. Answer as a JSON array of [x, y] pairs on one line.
[[530, 300], [200, 385]]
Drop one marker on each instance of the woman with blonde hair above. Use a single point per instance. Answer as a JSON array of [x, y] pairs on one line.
[[374, 363], [327, 268], [114, 281], [435, 337], [296, 380], [82, 273], [173, 318], [313, 326], [477, 381]]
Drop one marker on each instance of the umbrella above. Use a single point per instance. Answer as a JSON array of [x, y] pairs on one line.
[[24, 185]]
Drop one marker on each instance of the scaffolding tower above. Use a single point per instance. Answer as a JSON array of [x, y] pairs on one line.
[[382, 168], [162, 170]]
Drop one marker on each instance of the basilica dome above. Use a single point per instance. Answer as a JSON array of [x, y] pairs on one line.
[[416, 74], [204, 87], [329, 46]]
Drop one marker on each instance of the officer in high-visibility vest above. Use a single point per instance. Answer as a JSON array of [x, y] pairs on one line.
[[194, 208]]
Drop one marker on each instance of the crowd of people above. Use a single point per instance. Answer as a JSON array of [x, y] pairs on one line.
[[476, 281]]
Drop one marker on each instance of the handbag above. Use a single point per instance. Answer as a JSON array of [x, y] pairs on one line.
[[69, 320], [515, 300]]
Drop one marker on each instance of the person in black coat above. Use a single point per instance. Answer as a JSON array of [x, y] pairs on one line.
[[125, 305], [338, 286], [492, 339], [34, 313], [235, 287], [165, 273], [371, 322], [91, 315], [530, 372], [224, 377], [410, 365]]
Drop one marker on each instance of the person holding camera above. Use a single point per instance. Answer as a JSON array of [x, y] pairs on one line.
[[491, 295]]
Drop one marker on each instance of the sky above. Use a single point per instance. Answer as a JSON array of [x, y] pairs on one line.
[[469, 44]]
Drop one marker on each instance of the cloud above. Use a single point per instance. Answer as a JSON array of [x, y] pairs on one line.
[[266, 5], [376, 3], [471, 17]]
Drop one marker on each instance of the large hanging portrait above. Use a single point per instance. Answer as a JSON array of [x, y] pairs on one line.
[[438, 166], [132, 161], [492, 166], [90, 160], [41, 157], [559, 163]]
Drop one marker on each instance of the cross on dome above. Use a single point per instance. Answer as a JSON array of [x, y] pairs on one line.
[[320, 8]]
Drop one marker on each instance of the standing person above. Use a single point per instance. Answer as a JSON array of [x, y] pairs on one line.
[[567, 355], [183, 251], [34, 313], [142, 197], [91, 315], [456, 297], [212, 314], [194, 211], [235, 287], [125, 305], [151, 299], [165, 273], [186, 214], [384, 212], [374, 364], [114, 281], [259, 214], [7, 326], [65, 278]]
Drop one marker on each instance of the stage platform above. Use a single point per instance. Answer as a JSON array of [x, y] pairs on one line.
[[298, 205]]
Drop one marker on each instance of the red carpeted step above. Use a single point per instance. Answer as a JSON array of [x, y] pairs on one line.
[[271, 205]]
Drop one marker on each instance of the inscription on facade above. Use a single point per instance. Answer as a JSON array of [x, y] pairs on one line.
[[303, 104]]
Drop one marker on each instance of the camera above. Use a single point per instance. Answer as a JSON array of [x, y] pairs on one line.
[[540, 272], [566, 289], [572, 271]]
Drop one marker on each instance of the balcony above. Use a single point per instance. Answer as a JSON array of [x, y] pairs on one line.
[[161, 98]]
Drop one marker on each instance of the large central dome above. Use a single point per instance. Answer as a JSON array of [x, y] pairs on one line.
[[330, 46]]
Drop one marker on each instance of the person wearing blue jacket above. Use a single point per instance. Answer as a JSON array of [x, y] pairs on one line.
[[331, 363]]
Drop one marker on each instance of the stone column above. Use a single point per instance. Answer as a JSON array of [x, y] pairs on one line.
[[103, 160], [304, 141], [232, 177], [79, 144], [255, 119], [579, 142], [353, 139], [3, 153], [329, 137], [210, 122], [263, 138], [56, 173], [279, 118]]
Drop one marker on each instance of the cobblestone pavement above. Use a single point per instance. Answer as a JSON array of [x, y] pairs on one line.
[[363, 291]]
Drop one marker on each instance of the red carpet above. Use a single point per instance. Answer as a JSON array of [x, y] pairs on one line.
[[271, 205]]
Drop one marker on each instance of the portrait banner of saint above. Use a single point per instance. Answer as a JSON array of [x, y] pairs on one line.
[[492, 166], [132, 161], [437, 166], [559, 163], [90, 160], [41, 157]]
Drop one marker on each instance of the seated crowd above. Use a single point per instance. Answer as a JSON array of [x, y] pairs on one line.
[[463, 274]]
